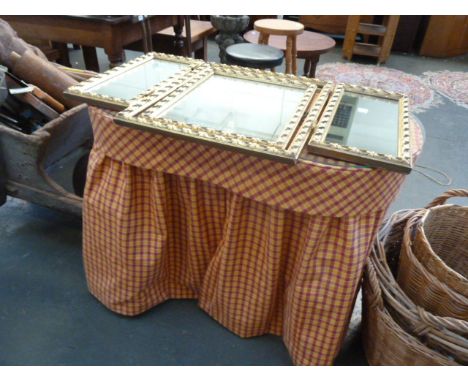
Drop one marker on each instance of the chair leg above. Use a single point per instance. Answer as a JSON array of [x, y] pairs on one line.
[[202, 51]]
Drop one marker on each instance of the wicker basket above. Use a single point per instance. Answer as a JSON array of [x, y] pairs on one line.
[[434, 258], [395, 330], [441, 244], [385, 341]]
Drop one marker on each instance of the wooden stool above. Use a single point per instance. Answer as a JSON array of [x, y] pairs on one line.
[[278, 27], [385, 32]]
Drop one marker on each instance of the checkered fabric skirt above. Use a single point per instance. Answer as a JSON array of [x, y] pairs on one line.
[[265, 247]]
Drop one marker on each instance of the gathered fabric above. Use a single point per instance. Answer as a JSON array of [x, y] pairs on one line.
[[265, 247]]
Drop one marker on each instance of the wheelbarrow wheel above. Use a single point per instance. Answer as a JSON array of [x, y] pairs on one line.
[[79, 175]]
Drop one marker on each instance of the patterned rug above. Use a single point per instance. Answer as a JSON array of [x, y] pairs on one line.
[[421, 96], [453, 85]]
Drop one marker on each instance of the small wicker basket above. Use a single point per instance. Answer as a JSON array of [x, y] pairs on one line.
[[434, 258], [443, 248]]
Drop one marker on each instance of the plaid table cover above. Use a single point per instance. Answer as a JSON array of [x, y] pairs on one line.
[[265, 247]]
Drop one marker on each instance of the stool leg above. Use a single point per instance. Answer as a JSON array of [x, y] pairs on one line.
[[263, 38], [294, 55], [289, 43]]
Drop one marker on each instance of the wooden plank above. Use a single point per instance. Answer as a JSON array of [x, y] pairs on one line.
[[372, 29], [446, 36], [366, 49]]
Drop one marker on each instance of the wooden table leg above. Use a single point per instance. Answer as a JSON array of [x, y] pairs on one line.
[[90, 58], [310, 66], [115, 56], [63, 50], [306, 66]]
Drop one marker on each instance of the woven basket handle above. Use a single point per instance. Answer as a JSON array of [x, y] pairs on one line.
[[446, 195]]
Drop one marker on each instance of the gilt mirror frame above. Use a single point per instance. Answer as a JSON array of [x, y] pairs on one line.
[[144, 113], [84, 90], [402, 162]]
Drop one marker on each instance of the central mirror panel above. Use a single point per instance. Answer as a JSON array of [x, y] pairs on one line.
[[241, 109], [254, 109], [133, 82], [366, 122]]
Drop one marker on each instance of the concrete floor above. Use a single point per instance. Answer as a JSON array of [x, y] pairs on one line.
[[47, 316]]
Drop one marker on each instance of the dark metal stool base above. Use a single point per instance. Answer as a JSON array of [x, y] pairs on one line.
[[254, 56]]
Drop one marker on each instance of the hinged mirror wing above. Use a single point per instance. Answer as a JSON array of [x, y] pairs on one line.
[[366, 126], [115, 88]]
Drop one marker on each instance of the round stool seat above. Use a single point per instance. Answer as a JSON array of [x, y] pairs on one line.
[[279, 27], [254, 55]]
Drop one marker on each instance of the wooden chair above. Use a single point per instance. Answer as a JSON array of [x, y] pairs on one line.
[[279, 27], [385, 33], [195, 35]]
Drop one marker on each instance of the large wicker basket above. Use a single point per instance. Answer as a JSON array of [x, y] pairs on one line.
[[395, 330], [385, 341], [434, 258]]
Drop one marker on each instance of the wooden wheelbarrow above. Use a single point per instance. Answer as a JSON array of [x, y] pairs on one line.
[[26, 158]]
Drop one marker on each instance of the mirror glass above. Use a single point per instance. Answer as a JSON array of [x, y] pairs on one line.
[[366, 122], [134, 81], [250, 108]]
